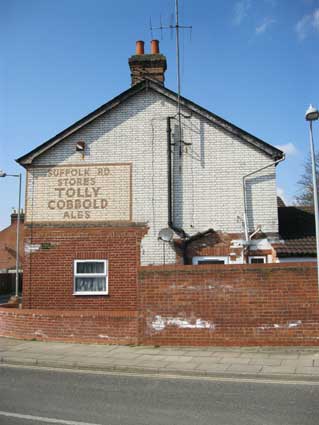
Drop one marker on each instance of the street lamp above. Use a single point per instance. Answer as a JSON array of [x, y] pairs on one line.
[[312, 114], [3, 174]]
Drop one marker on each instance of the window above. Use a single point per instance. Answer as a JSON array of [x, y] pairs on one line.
[[257, 260], [210, 260], [90, 277]]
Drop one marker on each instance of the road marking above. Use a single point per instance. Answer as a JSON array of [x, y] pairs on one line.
[[164, 376], [43, 419]]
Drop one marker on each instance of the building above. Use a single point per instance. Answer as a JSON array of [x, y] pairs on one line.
[[8, 249], [297, 234], [8, 244], [100, 192]]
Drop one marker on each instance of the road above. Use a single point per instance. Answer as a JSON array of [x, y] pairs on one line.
[[40, 396]]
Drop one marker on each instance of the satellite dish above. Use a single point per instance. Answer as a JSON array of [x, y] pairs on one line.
[[166, 235]]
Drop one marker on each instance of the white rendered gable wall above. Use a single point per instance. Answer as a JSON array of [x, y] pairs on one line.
[[208, 188]]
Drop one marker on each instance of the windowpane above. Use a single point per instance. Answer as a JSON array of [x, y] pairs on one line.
[[257, 260], [90, 267], [212, 261], [90, 284]]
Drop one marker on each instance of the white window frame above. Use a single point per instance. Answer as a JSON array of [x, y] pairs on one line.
[[195, 260], [257, 257], [105, 274]]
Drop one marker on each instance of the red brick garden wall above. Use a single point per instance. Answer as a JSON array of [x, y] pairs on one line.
[[48, 271], [117, 327], [274, 304], [271, 304]]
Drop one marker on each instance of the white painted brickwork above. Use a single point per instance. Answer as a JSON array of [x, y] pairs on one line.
[[208, 188]]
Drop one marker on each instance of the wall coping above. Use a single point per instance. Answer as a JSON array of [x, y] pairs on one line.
[[66, 313], [204, 268]]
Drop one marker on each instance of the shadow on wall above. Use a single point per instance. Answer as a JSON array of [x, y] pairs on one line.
[[177, 179], [251, 184]]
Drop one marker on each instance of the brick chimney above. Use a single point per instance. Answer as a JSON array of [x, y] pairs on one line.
[[151, 66], [14, 216]]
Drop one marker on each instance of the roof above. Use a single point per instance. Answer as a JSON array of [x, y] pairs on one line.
[[297, 229], [146, 84]]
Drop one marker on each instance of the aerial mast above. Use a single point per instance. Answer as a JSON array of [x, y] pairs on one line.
[[177, 27]]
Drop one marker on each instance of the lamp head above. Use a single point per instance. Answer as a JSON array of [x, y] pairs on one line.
[[2, 173], [312, 113]]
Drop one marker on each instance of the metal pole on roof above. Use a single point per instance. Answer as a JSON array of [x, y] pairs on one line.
[[178, 80], [312, 114]]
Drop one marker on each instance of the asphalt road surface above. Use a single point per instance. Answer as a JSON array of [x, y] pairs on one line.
[[39, 396]]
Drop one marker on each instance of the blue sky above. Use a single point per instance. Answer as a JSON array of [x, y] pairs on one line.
[[253, 62]]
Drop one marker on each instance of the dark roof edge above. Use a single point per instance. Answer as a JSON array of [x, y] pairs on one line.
[[275, 153]]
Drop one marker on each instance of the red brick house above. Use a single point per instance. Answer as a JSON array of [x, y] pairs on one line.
[[8, 252]]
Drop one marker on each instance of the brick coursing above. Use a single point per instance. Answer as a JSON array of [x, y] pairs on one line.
[[109, 327], [48, 272], [274, 304], [229, 305]]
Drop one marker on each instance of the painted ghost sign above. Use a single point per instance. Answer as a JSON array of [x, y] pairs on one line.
[[98, 192]]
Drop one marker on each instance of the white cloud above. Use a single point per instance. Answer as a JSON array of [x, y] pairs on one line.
[[308, 24], [288, 148], [265, 25], [241, 11], [281, 194]]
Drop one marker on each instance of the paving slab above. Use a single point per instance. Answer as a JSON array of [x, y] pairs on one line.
[[265, 362], [235, 360], [244, 369], [213, 367], [299, 362], [307, 370], [278, 370]]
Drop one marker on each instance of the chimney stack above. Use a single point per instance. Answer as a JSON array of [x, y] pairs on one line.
[[14, 216], [151, 66]]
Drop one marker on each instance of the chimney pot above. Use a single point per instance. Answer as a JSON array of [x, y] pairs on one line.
[[140, 47], [155, 47]]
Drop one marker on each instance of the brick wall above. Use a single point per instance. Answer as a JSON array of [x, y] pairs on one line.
[[184, 305], [271, 304], [117, 327], [48, 271]]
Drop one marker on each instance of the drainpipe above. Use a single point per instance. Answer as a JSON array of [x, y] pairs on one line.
[[244, 192], [179, 231]]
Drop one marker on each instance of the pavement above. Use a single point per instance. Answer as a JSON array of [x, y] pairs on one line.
[[294, 363]]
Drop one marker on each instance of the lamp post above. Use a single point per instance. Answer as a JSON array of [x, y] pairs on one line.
[[312, 114], [3, 174]]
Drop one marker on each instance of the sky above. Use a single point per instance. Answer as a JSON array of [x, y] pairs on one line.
[[253, 62]]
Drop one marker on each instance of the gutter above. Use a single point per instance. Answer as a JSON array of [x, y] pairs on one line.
[[244, 191]]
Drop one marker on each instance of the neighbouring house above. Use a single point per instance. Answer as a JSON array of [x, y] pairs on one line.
[[297, 233], [8, 244], [127, 186]]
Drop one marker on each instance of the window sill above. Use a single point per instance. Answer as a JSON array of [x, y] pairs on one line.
[[90, 293]]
